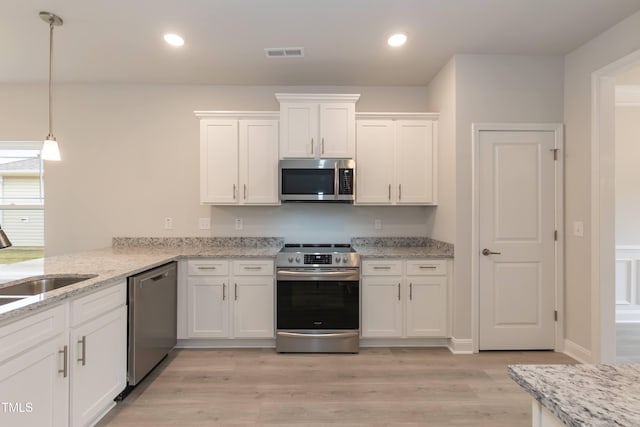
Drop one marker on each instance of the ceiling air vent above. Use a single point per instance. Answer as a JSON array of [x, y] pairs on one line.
[[284, 52]]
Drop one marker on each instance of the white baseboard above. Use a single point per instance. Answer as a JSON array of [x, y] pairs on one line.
[[461, 345], [403, 342], [578, 352]]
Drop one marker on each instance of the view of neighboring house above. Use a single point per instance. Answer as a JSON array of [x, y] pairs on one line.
[[22, 201]]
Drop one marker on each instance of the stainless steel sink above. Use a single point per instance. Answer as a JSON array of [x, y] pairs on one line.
[[38, 285]]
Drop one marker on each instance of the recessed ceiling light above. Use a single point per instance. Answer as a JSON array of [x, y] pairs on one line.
[[174, 39], [397, 40]]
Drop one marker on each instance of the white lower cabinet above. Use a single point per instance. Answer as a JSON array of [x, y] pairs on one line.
[[404, 299], [230, 299], [43, 379]]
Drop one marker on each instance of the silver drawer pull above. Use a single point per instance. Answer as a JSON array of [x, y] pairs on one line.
[[252, 268], [207, 268], [83, 343], [378, 267], [428, 267]]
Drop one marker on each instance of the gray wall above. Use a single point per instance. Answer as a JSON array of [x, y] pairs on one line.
[[627, 175], [130, 158]]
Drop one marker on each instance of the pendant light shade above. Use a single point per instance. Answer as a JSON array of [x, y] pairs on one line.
[[50, 150], [4, 240]]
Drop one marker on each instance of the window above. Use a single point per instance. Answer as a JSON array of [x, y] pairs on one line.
[[21, 200]]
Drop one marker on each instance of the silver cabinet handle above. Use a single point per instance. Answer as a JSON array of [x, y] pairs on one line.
[[245, 191], [252, 268], [398, 291], [389, 191], [381, 267], [83, 343], [224, 293], [410, 291], [236, 292], [323, 145], [487, 252], [207, 268], [234, 191], [399, 191], [427, 267], [311, 145], [65, 363]]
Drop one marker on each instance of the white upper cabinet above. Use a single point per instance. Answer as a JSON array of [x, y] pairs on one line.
[[317, 125], [396, 161], [238, 160]]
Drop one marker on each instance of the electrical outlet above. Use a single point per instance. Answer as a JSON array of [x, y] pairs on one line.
[[168, 223], [377, 224], [204, 223], [238, 223]]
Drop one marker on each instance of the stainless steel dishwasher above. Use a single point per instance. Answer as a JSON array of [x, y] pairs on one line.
[[152, 319]]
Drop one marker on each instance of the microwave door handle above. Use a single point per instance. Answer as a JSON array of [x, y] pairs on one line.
[[336, 181]]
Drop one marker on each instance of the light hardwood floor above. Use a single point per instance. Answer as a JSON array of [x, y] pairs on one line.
[[377, 387]]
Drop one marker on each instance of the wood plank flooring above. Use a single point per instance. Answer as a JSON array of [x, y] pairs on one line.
[[628, 342], [377, 387]]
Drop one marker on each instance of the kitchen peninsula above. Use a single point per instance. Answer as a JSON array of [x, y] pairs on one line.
[[581, 395]]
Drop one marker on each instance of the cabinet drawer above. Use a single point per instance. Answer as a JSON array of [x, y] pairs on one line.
[[208, 267], [253, 268], [23, 334], [382, 268], [427, 267], [97, 303]]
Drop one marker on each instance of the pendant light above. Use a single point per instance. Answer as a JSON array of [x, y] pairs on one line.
[[4, 240], [50, 150]]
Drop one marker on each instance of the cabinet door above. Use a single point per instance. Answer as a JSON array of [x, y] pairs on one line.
[[337, 130], [415, 159], [259, 162], [381, 307], [98, 360], [208, 307], [298, 130], [32, 390], [375, 168], [426, 306], [253, 307], [219, 161]]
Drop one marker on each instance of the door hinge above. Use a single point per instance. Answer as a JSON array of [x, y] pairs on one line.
[[555, 153], [555, 315], [555, 234]]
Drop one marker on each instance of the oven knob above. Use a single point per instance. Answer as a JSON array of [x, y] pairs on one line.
[[337, 259], [344, 259], [290, 259], [297, 259]]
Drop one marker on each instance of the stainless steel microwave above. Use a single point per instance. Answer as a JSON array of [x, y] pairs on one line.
[[317, 180]]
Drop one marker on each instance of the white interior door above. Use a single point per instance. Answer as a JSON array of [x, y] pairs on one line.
[[516, 240]]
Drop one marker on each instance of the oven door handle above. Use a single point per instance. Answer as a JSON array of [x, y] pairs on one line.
[[318, 335], [318, 274]]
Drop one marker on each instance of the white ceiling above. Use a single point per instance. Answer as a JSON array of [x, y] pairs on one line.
[[344, 40]]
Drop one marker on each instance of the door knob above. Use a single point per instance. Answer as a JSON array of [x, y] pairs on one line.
[[487, 252]]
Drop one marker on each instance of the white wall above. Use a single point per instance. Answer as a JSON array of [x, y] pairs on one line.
[[130, 158], [613, 44], [627, 148], [491, 89]]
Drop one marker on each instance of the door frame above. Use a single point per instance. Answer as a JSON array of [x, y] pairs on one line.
[[557, 129], [603, 333]]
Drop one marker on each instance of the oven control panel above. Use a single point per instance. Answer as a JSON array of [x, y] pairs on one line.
[[318, 260], [323, 259]]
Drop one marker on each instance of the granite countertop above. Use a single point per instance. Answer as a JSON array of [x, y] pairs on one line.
[[584, 395], [125, 258], [401, 247]]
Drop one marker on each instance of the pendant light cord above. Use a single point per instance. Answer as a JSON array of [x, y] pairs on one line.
[[50, 77]]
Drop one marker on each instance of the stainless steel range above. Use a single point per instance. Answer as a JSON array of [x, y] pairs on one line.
[[318, 299]]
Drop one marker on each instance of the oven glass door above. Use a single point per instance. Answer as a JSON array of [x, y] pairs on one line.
[[318, 304]]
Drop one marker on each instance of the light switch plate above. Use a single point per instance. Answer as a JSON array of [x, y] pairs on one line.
[[238, 223], [168, 223], [578, 228], [377, 224], [204, 223]]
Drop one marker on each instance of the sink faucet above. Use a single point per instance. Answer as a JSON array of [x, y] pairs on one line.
[[4, 240]]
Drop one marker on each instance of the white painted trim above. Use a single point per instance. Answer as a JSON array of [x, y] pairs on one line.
[[226, 343], [577, 352], [557, 129], [461, 346], [628, 311], [603, 209], [317, 97], [237, 114], [397, 116]]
